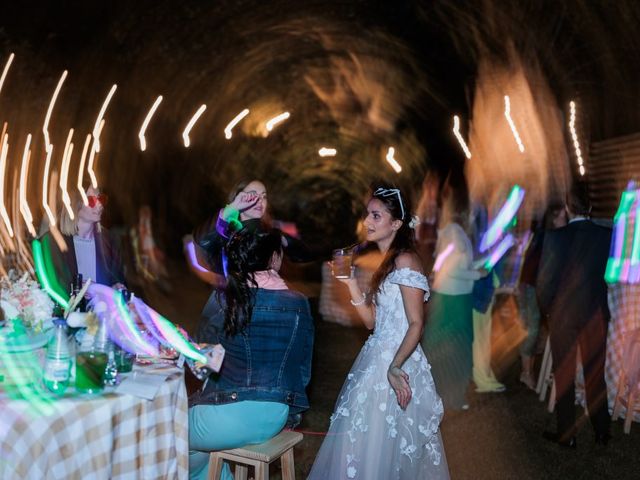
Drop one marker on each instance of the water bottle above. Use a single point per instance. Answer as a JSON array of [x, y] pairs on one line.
[[102, 343], [57, 367]]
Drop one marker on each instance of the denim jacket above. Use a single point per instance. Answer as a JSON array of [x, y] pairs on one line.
[[270, 360]]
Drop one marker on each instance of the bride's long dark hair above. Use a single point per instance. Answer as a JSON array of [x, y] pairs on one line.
[[404, 241], [246, 252]]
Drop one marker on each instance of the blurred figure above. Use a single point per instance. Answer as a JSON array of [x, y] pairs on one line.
[[149, 259], [267, 333], [90, 250], [573, 294], [482, 296], [555, 217], [427, 229], [448, 335]]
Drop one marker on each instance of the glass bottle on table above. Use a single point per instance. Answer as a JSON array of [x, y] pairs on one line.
[[93, 356], [57, 368], [76, 287]]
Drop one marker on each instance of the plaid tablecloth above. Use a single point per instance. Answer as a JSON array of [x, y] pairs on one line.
[[624, 304], [110, 436]]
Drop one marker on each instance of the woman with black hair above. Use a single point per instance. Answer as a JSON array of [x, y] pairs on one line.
[[267, 333], [386, 421]]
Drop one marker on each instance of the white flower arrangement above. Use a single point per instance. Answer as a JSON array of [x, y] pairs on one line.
[[23, 298]]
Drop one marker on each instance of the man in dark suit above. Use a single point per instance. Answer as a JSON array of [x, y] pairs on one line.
[[572, 293]]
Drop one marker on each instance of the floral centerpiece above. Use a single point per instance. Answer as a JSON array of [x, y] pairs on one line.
[[24, 302]]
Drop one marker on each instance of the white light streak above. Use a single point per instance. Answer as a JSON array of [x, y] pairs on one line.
[[574, 137], [45, 189], [507, 114], [145, 124], [45, 126], [3, 165], [392, 161], [456, 132], [97, 127], [6, 70], [85, 200], [24, 206], [234, 122], [92, 156], [64, 174], [276, 120], [192, 122], [327, 152]]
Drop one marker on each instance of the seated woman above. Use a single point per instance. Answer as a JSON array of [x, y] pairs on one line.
[[87, 249], [267, 332]]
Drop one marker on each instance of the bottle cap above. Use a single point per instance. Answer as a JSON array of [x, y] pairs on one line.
[[59, 322]]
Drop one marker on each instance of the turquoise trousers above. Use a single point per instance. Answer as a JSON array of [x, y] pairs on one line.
[[232, 425]]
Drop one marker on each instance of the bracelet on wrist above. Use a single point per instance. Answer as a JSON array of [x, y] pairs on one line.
[[359, 302]]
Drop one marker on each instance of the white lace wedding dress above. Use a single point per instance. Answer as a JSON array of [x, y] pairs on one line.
[[370, 436]]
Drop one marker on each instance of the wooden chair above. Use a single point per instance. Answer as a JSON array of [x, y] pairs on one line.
[[259, 457], [629, 380]]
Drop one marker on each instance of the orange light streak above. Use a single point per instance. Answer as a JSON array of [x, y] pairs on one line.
[[234, 122], [145, 124], [507, 114], [192, 122], [456, 132], [392, 161], [54, 97]]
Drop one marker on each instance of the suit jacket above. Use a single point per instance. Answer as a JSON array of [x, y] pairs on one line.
[[64, 265], [570, 285]]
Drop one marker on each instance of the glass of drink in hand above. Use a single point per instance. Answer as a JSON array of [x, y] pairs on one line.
[[342, 260]]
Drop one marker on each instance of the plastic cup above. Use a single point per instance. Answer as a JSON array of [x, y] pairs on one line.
[[342, 258], [90, 368]]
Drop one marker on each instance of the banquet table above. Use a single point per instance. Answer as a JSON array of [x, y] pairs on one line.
[[105, 436]]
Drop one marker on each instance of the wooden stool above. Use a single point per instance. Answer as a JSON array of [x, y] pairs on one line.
[[259, 457], [629, 379]]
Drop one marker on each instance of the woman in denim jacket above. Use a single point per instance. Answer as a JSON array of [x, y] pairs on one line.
[[267, 332]]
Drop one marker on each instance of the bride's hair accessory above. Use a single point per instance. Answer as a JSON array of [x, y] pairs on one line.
[[387, 192]]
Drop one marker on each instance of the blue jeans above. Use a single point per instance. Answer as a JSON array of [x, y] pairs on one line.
[[231, 425]]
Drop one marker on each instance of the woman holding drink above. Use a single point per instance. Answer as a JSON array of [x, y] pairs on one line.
[[386, 421]]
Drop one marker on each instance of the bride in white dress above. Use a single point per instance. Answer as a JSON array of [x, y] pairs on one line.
[[386, 422]]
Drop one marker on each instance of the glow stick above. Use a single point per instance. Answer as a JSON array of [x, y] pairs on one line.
[[392, 161], [503, 219]]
